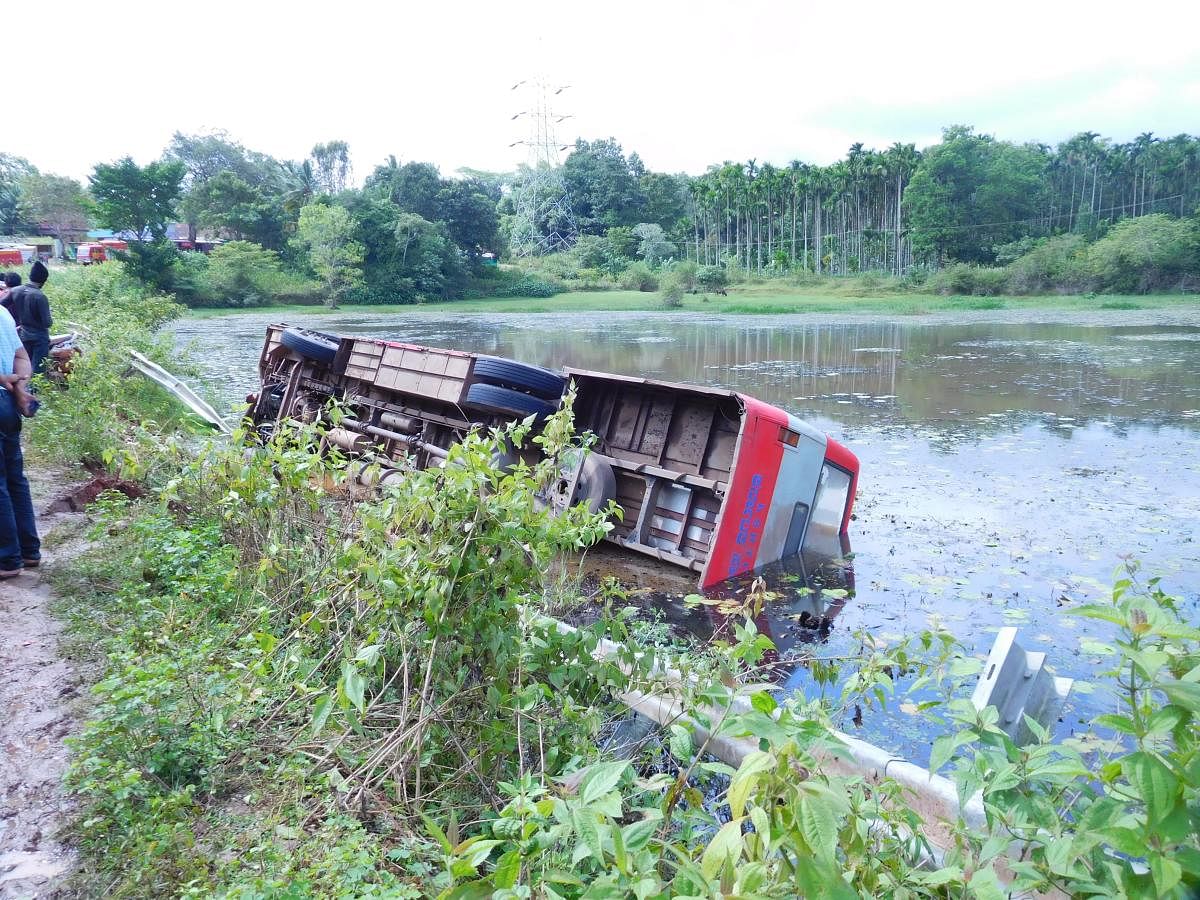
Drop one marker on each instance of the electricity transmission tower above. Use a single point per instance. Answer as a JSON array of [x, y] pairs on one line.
[[544, 221]]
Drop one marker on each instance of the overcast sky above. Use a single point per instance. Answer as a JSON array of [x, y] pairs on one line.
[[683, 84]]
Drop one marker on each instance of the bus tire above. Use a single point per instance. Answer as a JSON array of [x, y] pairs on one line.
[[518, 376], [489, 398], [314, 345]]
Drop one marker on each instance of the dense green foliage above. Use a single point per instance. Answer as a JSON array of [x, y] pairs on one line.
[[961, 214], [309, 693], [1151, 253], [326, 234], [138, 199], [238, 274], [12, 170], [964, 184], [956, 201], [57, 201], [969, 201], [385, 714], [107, 412]]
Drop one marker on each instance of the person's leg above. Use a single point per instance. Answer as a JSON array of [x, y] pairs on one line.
[[21, 501], [38, 349], [10, 543]]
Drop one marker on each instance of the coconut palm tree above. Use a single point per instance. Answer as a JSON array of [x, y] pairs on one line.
[[301, 186]]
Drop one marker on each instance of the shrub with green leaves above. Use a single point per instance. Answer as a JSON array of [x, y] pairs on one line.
[[672, 291], [106, 415], [529, 286], [639, 277], [1054, 264], [1101, 818], [1148, 253], [966, 280], [711, 278], [237, 271]]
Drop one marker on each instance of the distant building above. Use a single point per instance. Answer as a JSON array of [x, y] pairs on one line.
[[68, 234]]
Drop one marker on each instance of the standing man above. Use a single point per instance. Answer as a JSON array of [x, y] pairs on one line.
[[20, 547], [32, 309]]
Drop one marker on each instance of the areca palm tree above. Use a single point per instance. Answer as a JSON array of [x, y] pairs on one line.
[[903, 160], [1139, 157]]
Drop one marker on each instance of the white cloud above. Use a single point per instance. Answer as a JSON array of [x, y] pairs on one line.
[[684, 84]]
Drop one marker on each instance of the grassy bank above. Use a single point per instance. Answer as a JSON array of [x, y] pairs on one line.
[[309, 694], [106, 415], [766, 299]]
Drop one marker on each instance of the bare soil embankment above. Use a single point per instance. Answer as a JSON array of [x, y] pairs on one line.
[[39, 692]]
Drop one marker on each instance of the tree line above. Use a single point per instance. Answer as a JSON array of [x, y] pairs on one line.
[[294, 228], [982, 215], [302, 228], [960, 200]]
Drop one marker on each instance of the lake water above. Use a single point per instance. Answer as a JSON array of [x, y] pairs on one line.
[[1009, 466]]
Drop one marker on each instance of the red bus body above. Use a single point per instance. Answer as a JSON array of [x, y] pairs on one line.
[[713, 480]]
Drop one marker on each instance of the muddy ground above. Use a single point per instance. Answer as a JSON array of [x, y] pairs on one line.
[[40, 693]]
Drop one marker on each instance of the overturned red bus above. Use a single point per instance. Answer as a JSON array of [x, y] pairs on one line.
[[706, 479]]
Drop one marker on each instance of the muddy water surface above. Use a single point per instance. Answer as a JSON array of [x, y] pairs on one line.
[[1008, 466]]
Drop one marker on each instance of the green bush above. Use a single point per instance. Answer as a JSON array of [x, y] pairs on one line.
[[734, 271], [562, 266], [990, 282], [1052, 264], [189, 281], [622, 242], [672, 288], [151, 263], [251, 663], [287, 286], [684, 272], [711, 278], [217, 673], [1014, 250], [237, 270], [107, 416], [529, 285], [591, 260], [639, 277], [967, 280], [955, 279], [597, 253], [592, 280], [1145, 254], [239, 274]]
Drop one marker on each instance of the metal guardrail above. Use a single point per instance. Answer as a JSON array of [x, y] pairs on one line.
[[177, 388]]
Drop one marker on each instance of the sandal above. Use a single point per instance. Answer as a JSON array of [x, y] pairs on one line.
[[10, 573], [32, 563]]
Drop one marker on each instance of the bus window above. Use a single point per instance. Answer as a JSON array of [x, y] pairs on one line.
[[830, 506]]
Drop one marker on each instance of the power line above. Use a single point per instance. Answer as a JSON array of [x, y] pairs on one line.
[[1065, 215]]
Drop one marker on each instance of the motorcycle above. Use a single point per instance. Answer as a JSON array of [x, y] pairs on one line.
[[64, 348]]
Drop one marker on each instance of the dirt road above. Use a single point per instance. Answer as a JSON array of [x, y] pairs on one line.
[[37, 692]]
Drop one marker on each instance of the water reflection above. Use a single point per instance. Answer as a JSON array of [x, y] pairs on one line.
[[873, 372]]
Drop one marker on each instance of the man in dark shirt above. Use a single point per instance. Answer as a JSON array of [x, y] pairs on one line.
[[31, 308]]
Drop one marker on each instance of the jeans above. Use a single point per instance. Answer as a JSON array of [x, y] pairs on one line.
[[37, 345], [18, 530]]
